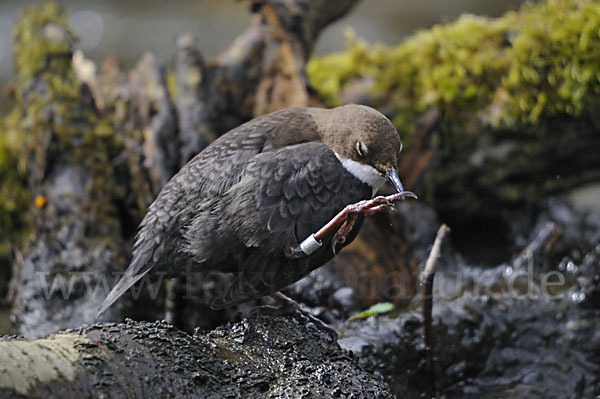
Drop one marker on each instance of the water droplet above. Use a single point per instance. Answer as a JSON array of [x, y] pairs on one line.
[[577, 296], [566, 264]]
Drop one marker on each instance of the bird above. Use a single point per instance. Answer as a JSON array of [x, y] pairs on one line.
[[269, 201]]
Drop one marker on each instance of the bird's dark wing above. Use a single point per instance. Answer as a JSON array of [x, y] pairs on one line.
[[282, 198], [208, 175], [285, 196]]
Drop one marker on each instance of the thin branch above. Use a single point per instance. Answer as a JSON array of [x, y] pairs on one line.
[[427, 291]]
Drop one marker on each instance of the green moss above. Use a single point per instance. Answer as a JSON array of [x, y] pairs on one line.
[[540, 61], [171, 81], [14, 197], [49, 120], [330, 73], [45, 31]]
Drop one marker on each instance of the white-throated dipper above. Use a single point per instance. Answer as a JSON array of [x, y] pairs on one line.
[[270, 200]]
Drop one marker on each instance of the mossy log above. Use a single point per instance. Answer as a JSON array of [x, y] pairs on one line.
[[517, 96], [259, 357]]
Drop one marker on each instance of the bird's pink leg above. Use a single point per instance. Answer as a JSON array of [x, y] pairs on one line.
[[346, 219], [366, 207]]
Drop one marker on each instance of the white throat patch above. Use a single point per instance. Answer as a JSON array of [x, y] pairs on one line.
[[365, 173]]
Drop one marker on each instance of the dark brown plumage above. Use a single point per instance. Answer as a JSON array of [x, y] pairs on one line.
[[246, 201]]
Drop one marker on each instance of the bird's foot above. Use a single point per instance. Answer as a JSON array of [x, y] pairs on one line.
[[366, 207], [290, 307], [344, 222], [344, 230], [377, 204]]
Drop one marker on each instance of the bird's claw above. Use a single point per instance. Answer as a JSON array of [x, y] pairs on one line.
[[370, 207], [403, 195], [380, 200], [379, 203], [344, 220]]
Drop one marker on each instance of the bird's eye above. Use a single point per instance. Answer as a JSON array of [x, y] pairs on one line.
[[361, 148]]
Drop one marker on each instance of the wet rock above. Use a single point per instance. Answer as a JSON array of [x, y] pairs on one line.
[[526, 328], [259, 357], [345, 298], [317, 288], [574, 253], [485, 347]]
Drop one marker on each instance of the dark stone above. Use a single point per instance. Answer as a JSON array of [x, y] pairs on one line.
[[501, 331], [260, 357]]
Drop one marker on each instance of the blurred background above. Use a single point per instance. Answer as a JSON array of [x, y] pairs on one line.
[[127, 29]]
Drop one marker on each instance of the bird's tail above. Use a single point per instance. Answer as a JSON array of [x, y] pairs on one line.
[[123, 285]]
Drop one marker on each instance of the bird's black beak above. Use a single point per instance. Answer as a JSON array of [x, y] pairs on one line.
[[392, 177]]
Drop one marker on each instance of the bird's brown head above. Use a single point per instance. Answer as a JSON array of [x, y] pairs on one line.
[[361, 134]]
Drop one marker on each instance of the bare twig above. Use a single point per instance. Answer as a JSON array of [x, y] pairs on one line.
[[427, 292]]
